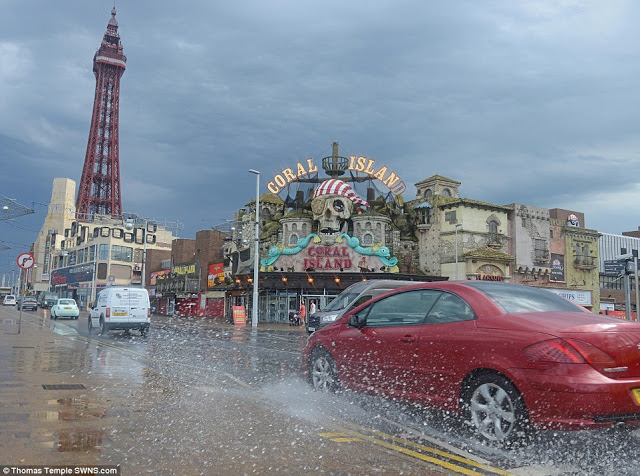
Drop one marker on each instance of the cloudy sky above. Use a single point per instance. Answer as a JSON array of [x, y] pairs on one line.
[[532, 102]]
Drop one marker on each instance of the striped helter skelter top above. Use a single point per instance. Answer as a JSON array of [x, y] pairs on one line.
[[338, 187]]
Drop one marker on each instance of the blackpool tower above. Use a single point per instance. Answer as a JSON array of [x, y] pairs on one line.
[[99, 191]]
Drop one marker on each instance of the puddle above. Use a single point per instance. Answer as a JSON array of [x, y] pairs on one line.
[[79, 440]]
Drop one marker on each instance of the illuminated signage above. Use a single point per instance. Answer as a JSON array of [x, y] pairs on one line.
[[356, 164]]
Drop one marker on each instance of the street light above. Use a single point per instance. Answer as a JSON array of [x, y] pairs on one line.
[[458, 225], [254, 308]]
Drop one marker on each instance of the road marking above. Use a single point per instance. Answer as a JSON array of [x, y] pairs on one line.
[[339, 437], [415, 450]]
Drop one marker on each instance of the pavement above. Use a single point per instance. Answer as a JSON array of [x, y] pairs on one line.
[[64, 400]]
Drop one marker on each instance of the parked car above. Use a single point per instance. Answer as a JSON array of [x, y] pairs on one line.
[[507, 357], [65, 307], [9, 300], [47, 299], [121, 308], [29, 303], [351, 298]]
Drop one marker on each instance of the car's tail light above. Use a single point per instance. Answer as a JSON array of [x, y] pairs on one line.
[[568, 351], [108, 313]]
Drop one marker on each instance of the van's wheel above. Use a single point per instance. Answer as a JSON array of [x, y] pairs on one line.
[[495, 408], [90, 325], [103, 327], [323, 372], [144, 331]]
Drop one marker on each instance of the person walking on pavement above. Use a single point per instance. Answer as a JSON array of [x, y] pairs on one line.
[[312, 307], [303, 313]]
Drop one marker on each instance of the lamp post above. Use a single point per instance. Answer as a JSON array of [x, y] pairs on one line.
[[458, 225], [254, 308]]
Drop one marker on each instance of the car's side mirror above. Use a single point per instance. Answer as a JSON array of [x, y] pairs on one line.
[[357, 321]]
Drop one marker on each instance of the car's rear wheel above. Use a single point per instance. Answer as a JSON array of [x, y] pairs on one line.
[[53, 316], [323, 373], [495, 408]]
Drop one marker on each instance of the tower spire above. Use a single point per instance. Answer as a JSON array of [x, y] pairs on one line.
[[99, 191]]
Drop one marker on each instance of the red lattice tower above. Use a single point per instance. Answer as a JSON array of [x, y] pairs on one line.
[[99, 191]]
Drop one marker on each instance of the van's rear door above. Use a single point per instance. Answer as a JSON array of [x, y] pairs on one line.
[[119, 305], [138, 306]]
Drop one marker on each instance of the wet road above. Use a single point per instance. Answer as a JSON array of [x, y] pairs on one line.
[[198, 397]]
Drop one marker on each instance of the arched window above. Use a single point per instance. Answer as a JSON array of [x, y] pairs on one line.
[[493, 232], [293, 239], [427, 192], [367, 239], [446, 192]]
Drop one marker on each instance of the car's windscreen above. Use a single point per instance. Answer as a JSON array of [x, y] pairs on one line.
[[345, 298], [517, 299], [66, 302]]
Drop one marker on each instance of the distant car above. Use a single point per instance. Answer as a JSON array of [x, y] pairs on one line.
[[351, 298], [29, 303], [47, 299], [9, 300], [65, 307], [506, 357]]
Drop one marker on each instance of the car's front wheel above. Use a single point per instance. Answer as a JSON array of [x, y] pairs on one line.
[[495, 408], [323, 373]]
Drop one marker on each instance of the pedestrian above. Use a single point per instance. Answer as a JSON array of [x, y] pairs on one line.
[[312, 307], [303, 313]]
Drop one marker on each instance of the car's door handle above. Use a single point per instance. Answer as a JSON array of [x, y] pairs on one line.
[[407, 339]]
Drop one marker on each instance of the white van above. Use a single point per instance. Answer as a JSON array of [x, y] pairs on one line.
[[121, 307]]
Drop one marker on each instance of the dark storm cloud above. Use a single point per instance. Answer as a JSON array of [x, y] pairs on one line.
[[530, 102]]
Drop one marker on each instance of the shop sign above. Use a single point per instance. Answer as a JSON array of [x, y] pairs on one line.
[[557, 267], [159, 276], [215, 275], [184, 269], [74, 275], [239, 315], [579, 297], [356, 164], [489, 272]]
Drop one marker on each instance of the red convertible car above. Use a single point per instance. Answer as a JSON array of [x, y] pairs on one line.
[[507, 357]]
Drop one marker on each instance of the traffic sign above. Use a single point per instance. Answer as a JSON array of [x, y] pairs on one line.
[[25, 260]]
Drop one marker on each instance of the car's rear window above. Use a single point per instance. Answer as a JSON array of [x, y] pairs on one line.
[[67, 302], [517, 299]]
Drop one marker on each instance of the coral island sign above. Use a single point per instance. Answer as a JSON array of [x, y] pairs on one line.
[[356, 164], [345, 255]]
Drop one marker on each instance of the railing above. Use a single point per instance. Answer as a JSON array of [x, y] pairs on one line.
[[584, 262]]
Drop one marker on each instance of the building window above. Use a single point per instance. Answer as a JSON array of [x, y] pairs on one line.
[[121, 253], [104, 252], [493, 232], [450, 217], [424, 216], [541, 249], [293, 240], [446, 192], [367, 239]]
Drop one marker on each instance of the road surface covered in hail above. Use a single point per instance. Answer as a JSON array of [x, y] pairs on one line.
[[201, 397]]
